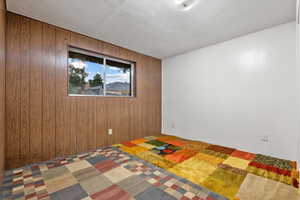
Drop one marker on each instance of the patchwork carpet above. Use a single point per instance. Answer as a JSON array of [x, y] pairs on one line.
[[228, 172], [156, 168], [104, 174]]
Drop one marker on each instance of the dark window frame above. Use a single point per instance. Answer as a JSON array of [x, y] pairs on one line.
[[104, 57]]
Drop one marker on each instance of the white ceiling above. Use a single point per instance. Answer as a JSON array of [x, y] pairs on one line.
[[157, 27]]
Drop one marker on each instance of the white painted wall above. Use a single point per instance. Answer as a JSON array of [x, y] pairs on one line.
[[235, 93]]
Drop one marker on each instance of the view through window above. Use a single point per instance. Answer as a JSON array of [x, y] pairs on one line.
[[92, 74]]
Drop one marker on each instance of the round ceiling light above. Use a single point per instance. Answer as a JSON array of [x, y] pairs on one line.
[[185, 4]]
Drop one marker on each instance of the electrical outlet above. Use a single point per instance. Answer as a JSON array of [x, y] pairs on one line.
[[110, 131], [265, 138]]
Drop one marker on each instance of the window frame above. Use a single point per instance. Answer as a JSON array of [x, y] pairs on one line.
[[104, 57]]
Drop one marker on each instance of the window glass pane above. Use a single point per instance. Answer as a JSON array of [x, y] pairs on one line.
[[86, 74], [118, 78]]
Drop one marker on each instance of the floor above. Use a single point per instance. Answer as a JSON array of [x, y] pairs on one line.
[[104, 174], [232, 173], [157, 168]]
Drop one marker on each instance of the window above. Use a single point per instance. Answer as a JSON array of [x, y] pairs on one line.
[[92, 74]]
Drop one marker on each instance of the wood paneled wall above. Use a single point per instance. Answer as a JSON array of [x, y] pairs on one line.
[[43, 122], [2, 85]]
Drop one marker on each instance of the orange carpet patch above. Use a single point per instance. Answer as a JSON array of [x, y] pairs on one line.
[[243, 155], [180, 155], [178, 143]]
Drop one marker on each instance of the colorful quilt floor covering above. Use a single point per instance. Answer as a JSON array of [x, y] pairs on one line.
[[228, 172], [156, 168]]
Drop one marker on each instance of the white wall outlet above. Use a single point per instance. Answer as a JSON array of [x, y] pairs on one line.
[[265, 138], [110, 131]]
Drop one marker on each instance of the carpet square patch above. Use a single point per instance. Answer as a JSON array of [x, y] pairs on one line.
[[43, 167], [139, 141], [129, 144], [224, 182], [154, 193], [271, 161], [72, 192], [96, 159], [195, 146], [176, 142], [256, 187], [136, 167], [137, 189], [215, 154], [150, 138], [29, 190], [146, 145], [180, 156], [17, 171], [193, 170], [165, 149], [131, 181], [60, 182], [118, 174], [236, 162], [188, 188], [31, 196], [270, 175], [159, 179], [18, 189], [156, 143], [232, 169], [243, 155], [166, 138], [111, 193], [42, 192], [156, 159], [213, 160], [134, 185], [54, 172], [220, 149], [134, 150], [95, 184], [105, 166], [78, 165], [189, 195], [173, 192]]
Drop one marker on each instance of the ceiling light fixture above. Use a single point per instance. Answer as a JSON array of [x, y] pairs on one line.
[[185, 4]]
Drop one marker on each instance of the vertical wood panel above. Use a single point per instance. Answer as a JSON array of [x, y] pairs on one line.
[[143, 96], [2, 8], [117, 119], [149, 109], [82, 140], [156, 88], [63, 139], [44, 121], [136, 106], [25, 91], [2, 87], [73, 128], [49, 90], [13, 88], [36, 98], [101, 124]]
